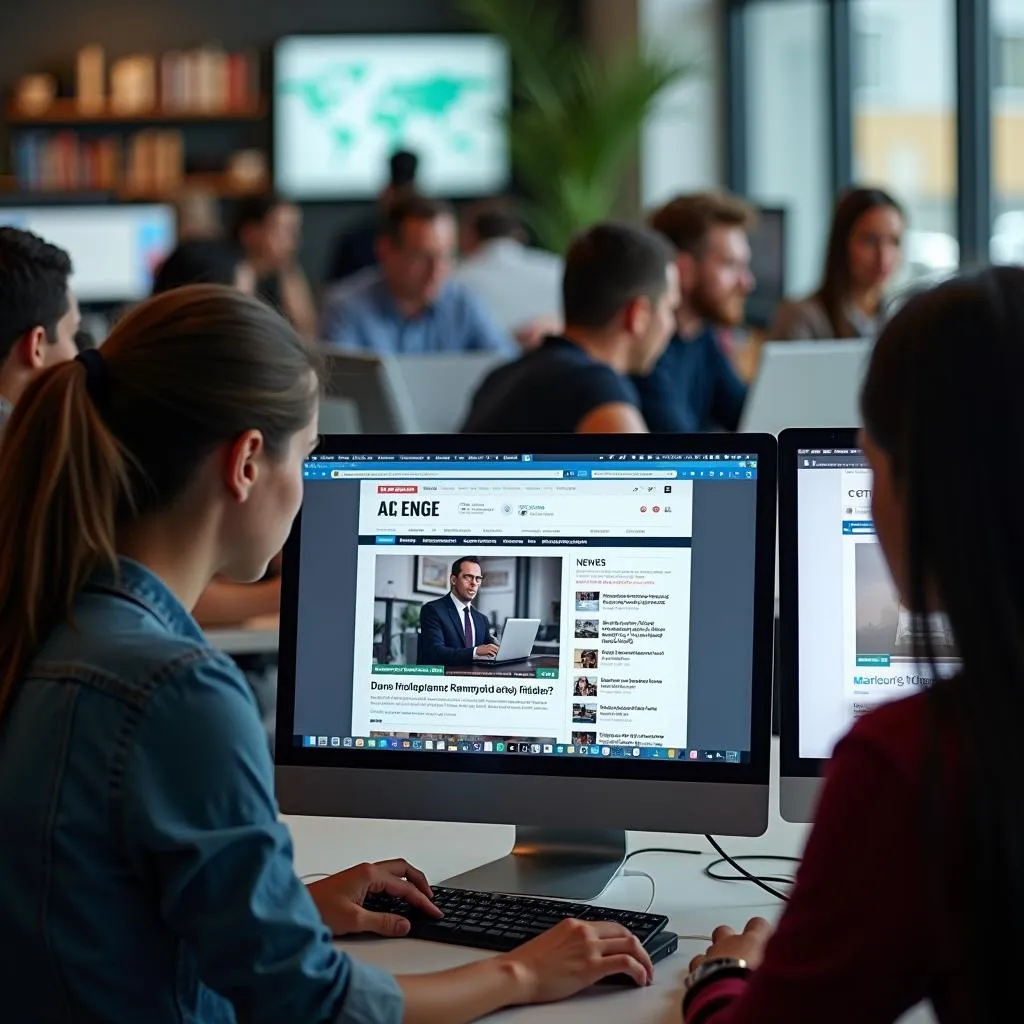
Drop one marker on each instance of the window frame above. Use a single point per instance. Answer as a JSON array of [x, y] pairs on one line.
[[975, 70]]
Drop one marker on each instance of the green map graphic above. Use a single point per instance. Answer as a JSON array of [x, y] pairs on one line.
[[395, 109]]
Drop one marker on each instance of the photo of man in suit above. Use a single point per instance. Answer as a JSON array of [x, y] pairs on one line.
[[452, 631]]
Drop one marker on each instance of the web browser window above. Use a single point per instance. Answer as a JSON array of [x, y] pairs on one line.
[[857, 639], [563, 606]]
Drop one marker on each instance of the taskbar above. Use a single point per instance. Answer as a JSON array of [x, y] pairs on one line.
[[544, 748]]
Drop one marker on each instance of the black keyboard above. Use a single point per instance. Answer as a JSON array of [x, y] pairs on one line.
[[493, 921]]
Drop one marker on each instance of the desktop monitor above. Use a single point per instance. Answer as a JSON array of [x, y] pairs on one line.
[[344, 104], [644, 702], [768, 265], [115, 250], [846, 642]]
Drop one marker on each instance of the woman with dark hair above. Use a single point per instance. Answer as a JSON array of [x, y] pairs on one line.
[[864, 252], [144, 873], [911, 883], [205, 261]]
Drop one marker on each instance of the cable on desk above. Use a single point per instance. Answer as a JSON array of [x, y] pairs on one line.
[[743, 875], [654, 886], [660, 849]]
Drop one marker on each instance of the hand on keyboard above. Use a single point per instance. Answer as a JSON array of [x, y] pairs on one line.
[[345, 900], [506, 923]]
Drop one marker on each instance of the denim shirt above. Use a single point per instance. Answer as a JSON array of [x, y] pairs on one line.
[[144, 874]]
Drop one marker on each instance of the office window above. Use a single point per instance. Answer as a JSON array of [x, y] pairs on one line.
[[1008, 132], [905, 137], [1010, 61], [787, 117], [871, 67], [681, 144]]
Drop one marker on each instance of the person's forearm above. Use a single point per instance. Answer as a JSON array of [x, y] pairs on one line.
[[297, 299], [225, 603], [464, 994]]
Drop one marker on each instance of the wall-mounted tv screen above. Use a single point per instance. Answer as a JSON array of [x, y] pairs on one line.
[[344, 104]]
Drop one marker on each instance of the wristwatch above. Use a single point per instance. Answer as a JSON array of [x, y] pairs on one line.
[[719, 967]]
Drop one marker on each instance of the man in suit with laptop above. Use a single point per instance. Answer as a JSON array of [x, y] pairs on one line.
[[452, 631]]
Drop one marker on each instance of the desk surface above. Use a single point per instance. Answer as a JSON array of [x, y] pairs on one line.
[[258, 636], [694, 903]]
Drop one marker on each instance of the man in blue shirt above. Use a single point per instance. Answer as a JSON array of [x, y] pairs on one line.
[[694, 387], [408, 305]]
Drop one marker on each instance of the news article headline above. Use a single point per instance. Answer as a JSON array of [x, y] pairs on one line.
[[628, 633], [916, 681], [462, 689]]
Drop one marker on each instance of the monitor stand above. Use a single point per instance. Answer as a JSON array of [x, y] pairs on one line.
[[559, 863]]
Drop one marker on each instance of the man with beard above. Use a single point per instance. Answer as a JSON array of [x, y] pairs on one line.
[[694, 386]]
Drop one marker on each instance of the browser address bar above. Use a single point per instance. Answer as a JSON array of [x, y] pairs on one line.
[[448, 474], [633, 474]]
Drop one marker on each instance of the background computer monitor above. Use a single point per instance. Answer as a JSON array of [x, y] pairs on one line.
[[665, 546], [844, 640], [806, 384], [344, 104], [768, 265], [115, 250]]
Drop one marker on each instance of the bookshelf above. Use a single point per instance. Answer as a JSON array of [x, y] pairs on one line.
[[221, 185], [145, 126], [65, 113]]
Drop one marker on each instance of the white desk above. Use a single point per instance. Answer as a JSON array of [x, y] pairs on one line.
[[694, 904], [244, 640]]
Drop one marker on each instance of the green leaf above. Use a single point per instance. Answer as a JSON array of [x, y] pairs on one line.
[[576, 120]]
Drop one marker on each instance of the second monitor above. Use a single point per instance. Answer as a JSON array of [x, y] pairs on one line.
[[639, 572]]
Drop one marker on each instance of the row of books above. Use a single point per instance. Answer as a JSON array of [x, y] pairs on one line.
[[150, 162], [203, 80]]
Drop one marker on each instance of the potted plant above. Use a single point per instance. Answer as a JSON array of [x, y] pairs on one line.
[[409, 621], [575, 118]]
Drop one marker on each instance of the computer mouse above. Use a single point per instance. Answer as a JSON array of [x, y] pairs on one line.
[[658, 946]]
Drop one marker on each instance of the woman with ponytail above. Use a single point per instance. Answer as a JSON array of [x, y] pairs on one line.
[[144, 874]]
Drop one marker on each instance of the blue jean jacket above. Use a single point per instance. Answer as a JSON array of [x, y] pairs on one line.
[[144, 875]]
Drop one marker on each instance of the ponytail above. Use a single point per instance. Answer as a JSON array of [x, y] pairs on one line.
[[62, 477], [90, 447]]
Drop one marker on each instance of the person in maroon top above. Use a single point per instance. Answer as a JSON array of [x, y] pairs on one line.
[[912, 882]]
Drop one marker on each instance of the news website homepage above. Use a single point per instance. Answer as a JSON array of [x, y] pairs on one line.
[[857, 639], [509, 605]]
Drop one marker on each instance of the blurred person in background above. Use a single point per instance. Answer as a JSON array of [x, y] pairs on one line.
[[519, 284], [864, 254], [356, 247], [39, 317], [410, 304], [269, 230], [205, 261], [695, 386], [620, 293]]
